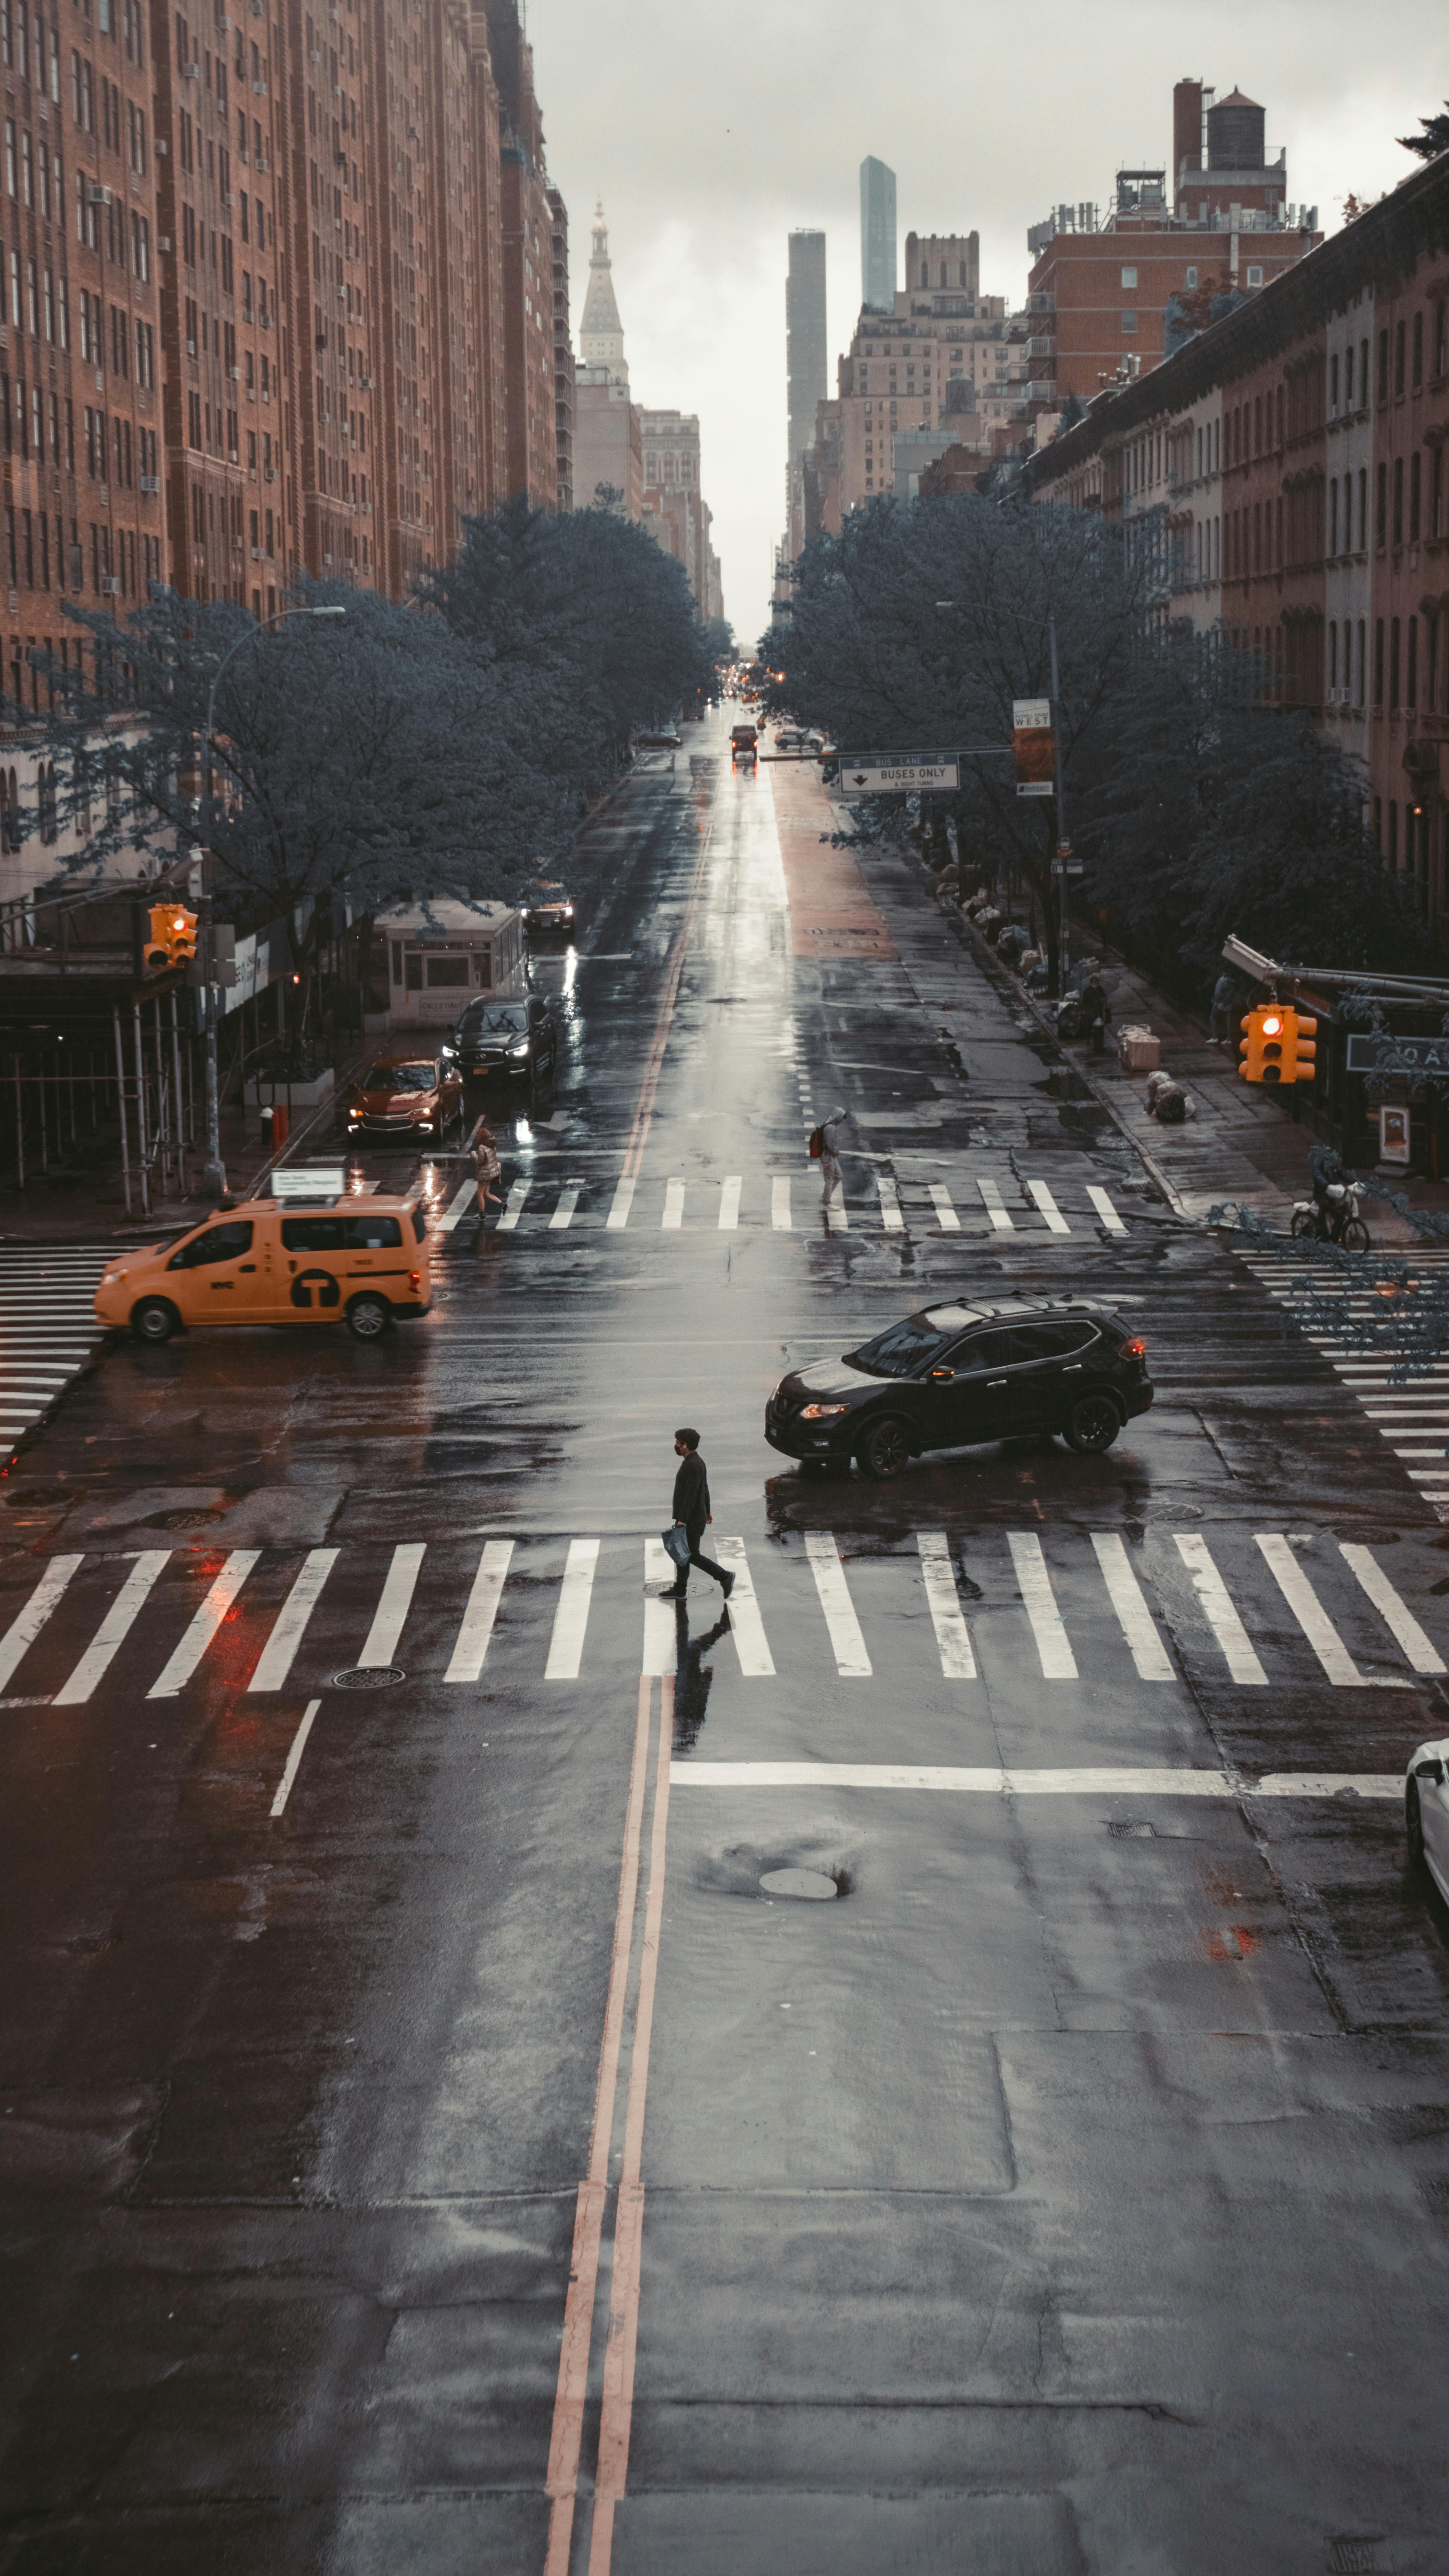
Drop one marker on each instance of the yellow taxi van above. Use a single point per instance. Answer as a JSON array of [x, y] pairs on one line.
[[355, 1261]]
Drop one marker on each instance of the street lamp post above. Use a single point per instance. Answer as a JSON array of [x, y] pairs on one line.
[[215, 1168]]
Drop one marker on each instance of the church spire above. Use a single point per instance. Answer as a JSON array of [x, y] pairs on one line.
[[601, 333]]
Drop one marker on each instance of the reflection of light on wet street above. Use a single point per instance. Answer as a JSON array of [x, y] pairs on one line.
[[571, 968], [523, 1132]]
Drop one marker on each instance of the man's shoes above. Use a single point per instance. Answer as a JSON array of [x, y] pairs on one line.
[[675, 1592], [728, 1586]]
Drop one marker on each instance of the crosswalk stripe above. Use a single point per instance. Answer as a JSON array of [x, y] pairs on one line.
[[1217, 1608], [780, 1217], [940, 1198], [204, 1626], [393, 1603], [673, 1216], [471, 1644], [1153, 1662], [729, 1202], [851, 1660], [890, 1206], [1309, 1612], [1395, 1613], [518, 1192], [1056, 1222], [944, 1603], [1105, 1209], [458, 1206], [995, 1205], [622, 1202], [747, 1627], [26, 1626], [294, 1757], [275, 1661], [835, 1217], [1053, 1645], [685, 1773], [571, 1618], [123, 1612], [568, 1199]]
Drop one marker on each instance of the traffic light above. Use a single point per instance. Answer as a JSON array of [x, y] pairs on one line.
[[1300, 1050], [172, 940], [1279, 1045]]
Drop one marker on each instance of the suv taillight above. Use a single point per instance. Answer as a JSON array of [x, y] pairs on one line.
[[1132, 1350]]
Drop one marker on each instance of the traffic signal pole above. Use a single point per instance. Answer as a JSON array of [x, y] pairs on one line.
[[1064, 931]]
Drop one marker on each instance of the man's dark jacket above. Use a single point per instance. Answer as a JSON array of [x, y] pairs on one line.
[[691, 1492]]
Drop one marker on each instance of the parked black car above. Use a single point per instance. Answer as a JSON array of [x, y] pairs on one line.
[[956, 1374], [505, 1037]]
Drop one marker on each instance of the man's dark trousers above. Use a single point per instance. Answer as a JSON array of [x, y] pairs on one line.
[[694, 1532]]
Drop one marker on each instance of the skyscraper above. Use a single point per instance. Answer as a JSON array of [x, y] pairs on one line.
[[807, 357], [877, 235]]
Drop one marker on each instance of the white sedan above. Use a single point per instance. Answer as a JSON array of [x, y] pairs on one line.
[[1426, 1810]]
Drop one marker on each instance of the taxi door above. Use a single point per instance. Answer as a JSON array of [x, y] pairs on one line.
[[217, 1277]]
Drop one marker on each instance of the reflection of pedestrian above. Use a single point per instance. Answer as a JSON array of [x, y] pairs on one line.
[[482, 1147], [1225, 997], [823, 1144], [692, 1514], [693, 1679]]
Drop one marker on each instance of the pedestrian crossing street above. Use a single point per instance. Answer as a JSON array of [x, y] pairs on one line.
[[48, 1328], [986, 1204], [1412, 1417], [1259, 1610]]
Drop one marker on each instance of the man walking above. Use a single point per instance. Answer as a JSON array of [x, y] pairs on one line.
[[830, 1182], [692, 1514]]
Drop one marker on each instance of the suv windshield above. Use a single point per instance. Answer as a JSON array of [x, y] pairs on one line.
[[903, 1350], [501, 1019], [402, 1077]]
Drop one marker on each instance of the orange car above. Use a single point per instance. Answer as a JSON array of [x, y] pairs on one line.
[[404, 1094]]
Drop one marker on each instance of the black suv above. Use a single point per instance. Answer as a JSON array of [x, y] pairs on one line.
[[957, 1374], [505, 1037]]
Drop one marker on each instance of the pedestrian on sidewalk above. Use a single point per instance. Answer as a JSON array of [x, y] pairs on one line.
[[823, 1150], [1224, 1010], [482, 1148], [692, 1514], [1096, 1011]]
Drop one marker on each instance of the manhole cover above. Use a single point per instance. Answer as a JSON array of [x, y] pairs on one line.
[[1132, 1833], [368, 1676], [809, 1883]]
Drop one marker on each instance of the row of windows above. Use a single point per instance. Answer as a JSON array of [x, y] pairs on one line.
[[1401, 354], [1406, 670], [1418, 833], [36, 545]]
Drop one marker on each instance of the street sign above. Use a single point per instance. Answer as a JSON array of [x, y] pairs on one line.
[[309, 1181], [1035, 746], [1370, 1053], [898, 773]]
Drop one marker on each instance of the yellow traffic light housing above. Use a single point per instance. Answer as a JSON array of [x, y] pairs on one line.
[[1300, 1051], [1278, 1045], [172, 937]]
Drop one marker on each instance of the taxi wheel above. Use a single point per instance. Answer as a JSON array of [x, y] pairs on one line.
[[154, 1320], [368, 1317]]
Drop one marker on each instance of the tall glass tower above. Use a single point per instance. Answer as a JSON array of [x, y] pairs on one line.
[[877, 236], [807, 355]]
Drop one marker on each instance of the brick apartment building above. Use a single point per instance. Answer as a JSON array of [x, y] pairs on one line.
[[1290, 465], [919, 373]]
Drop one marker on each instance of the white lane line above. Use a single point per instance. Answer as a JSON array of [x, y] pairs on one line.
[[1129, 1601], [1056, 1222], [686, 1774], [940, 1198], [1398, 1618], [995, 1205], [472, 1641], [836, 1219], [393, 1605], [944, 1603], [1216, 1604], [851, 1660], [275, 1660], [623, 1200], [26, 1626], [204, 1626], [746, 1625], [660, 1651], [568, 1199], [729, 1202], [1105, 1209], [124, 1610], [571, 1618], [457, 1206], [299, 1747], [1053, 1645], [890, 1206], [1309, 1612], [780, 1204], [518, 1192], [673, 1217]]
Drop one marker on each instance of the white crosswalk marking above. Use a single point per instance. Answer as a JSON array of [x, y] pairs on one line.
[[851, 1660], [1056, 1222], [1105, 1209], [660, 1653], [1053, 1645], [940, 1198], [458, 1206], [475, 1633], [571, 1618], [673, 1216], [568, 1199], [622, 1202], [1217, 1608], [119, 1619], [780, 1203], [275, 1661], [729, 1202], [27, 1624], [393, 1604], [203, 1628], [48, 1328], [1126, 1595], [995, 1205], [890, 1206], [746, 1625], [518, 1192], [1309, 1612], [835, 1217], [938, 1575], [1397, 1617]]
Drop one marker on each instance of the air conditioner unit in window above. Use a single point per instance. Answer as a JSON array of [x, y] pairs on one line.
[[98, 196], [163, 241], [236, 375], [316, 54], [150, 482], [191, 71], [270, 473], [191, 348], [110, 583], [232, 456], [259, 89], [256, 554], [262, 162]]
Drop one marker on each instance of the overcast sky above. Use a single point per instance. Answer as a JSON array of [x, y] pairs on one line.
[[711, 135]]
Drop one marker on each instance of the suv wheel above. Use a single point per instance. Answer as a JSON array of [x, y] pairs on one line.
[[369, 1318], [1092, 1425], [154, 1320], [886, 1448]]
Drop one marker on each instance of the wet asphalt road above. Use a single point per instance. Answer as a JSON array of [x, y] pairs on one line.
[[1052, 2177]]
